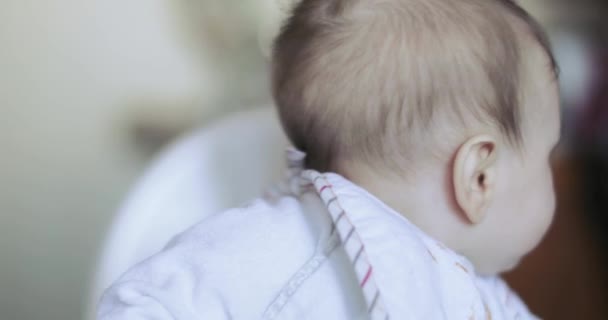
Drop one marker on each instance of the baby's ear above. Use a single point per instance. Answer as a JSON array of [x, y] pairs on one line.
[[474, 175]]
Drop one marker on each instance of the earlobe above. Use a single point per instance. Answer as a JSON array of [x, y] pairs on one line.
[[474, 176]]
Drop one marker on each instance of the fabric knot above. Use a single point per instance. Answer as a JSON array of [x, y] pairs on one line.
[[295, 164], [295, 159]]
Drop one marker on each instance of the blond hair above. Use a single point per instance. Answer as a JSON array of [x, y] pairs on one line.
[[362, 78]]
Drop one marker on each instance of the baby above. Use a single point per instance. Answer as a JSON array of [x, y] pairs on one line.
[[424, 130]]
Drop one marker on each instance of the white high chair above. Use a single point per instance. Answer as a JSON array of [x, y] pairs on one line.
[[215, 168]]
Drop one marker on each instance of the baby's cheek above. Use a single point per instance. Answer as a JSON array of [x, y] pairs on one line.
[[549, 200], [544, 211]]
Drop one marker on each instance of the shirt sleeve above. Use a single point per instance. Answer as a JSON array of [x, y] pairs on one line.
[[137, 300], [229, 266], [132, 301]]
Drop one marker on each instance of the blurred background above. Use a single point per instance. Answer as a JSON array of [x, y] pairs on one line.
[[92, 91]]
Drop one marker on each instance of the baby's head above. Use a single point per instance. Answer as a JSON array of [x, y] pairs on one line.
[[446, 110]]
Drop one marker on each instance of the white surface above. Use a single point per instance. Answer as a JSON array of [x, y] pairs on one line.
[[217, 167]]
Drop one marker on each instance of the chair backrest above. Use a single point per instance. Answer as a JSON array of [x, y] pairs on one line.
[[220, 166]]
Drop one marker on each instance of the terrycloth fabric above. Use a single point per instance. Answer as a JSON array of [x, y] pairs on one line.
[[318, 247]]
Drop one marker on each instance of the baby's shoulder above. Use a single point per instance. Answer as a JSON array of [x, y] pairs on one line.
[[257, 246], [261, 224]]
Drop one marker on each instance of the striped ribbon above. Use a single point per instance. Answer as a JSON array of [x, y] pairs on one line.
[[350, 238]]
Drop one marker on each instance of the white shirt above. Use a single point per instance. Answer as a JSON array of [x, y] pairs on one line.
[[318, 247]]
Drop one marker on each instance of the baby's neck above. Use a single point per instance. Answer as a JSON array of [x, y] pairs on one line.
[[423, 200]]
